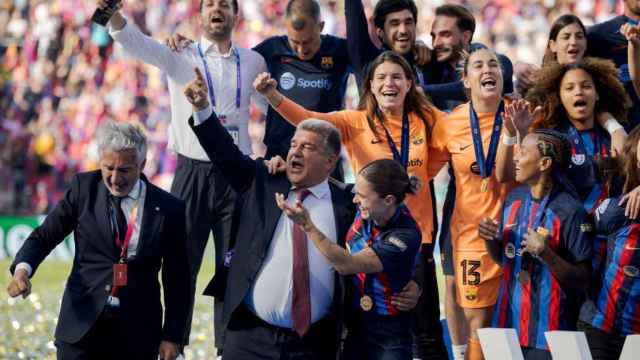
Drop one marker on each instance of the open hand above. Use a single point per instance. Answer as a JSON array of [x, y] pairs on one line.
[[297, 212], [196, 92], [631, 202], [518, 117], [177, 42]]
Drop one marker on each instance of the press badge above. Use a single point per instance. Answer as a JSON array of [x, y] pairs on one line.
[[119, 274]]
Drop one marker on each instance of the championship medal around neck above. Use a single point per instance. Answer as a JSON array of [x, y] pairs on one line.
[[484, 185], [366, 303]]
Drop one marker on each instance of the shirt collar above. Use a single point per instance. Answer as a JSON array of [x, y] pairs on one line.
[[211, 46], [135, 192], [320, 190]]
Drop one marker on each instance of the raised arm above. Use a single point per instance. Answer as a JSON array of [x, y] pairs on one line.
[[143, 47], [293, 112], [517, 119], [238, 169], [361, 49], [344, 263], [632, 34]]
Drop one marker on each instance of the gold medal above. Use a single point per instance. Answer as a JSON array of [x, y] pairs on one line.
[[484, 186], [524, 277], [366, 303], [542, 231]]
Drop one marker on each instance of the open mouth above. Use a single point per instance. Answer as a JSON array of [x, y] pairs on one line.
[[403, 40], [488, 84], [580, 104], [296, 165], [389, 94], [217, 19]]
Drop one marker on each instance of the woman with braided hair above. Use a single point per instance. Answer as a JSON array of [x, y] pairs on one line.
[[543, 243]]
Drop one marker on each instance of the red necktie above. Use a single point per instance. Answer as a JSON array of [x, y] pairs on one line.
[[301, 299]]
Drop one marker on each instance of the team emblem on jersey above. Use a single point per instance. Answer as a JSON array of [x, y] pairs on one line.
[[326, 62], [287, 81], [631, 271], [397, 243], [578, 159], [510, 251], [471, 293], [586, 227]]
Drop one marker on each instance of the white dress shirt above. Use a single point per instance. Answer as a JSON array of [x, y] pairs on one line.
[[270, 296], [135, 198], [179, 67]]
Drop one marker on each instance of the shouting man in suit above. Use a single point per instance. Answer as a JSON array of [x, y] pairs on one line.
[[125, 230], [283, 299]]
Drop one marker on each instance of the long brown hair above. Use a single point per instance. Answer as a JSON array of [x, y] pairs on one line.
[[559, 24], [414, 102], [546, 92]]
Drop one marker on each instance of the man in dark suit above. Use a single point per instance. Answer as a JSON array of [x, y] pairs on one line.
[[125, 230], [270, 310]]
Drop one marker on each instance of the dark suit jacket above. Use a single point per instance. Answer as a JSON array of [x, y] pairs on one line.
[[84, 210], [259, 215]]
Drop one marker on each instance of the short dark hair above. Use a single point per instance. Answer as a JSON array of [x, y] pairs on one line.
[[329, 133], [464, 19], [388, 177], [385, 7], [234, 5], [300, 11]]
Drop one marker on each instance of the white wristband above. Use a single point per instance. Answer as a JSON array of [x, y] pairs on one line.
[[509, 140], [612, 125]]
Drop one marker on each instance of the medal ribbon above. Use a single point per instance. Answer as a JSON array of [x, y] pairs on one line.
[[210, 83], [485, 164], [401, 156]]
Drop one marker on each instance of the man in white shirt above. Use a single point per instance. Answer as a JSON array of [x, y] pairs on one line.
[[229, 72], [125, 231]]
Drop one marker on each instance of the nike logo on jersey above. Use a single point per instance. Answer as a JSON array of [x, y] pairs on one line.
[[376, 141], [631, 248], [464, 147]]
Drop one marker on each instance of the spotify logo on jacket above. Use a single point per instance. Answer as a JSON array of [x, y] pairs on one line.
[[288, 81]]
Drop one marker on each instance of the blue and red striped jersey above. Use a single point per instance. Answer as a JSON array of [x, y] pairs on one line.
[[397, 245], [536, 303], [614, 304]]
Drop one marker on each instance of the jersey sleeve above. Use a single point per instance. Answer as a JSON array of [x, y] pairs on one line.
[[295, 114], [397, 252], [578, 233], [438, 153], [609, 217]]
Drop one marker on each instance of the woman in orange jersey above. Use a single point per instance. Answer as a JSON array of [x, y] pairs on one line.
[[393, 121], [470, 136]]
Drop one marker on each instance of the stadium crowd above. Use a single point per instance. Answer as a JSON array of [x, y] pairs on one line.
[[58, 80]]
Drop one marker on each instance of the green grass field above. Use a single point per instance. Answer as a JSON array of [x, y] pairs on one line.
[[27, 325]]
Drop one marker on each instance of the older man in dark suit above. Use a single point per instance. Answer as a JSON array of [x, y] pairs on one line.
[[125, 231], [283, 299]]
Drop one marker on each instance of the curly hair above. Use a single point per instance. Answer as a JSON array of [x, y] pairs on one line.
[[546, 92]]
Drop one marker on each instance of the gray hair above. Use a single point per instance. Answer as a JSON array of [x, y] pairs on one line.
[[327, 131], [122, 136]]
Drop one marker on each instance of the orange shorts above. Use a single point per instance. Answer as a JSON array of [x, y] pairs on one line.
[[477, 278]]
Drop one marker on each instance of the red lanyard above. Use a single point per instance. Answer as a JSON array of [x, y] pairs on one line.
[[124, 246]]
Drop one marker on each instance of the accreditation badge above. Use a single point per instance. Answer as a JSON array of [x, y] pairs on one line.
[[366, 303], [234, 132]]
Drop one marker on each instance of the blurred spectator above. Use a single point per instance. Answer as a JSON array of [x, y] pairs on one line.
[[58, 82]]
